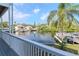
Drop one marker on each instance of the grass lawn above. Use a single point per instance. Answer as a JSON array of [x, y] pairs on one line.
[[73, 48]]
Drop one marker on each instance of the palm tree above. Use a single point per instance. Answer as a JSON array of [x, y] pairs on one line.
[[65, 13]]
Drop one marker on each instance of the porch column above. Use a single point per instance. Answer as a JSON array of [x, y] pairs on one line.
[[1, 27], [10, 12]]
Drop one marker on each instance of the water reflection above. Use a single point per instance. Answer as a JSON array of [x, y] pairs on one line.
[[42, 38], [22, 33]]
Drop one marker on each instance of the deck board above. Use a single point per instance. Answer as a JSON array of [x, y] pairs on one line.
[[5, 50]]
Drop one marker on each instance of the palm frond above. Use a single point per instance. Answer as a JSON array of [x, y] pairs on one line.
[[73, 19], [70, 19], [73, 7], [76, 12], [56, 24], [76, 21], [51, 15]]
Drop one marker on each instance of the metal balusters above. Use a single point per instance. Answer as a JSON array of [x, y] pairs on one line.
[[41, 52], [46, 54], [28, 47], [33, 50], [37, 51], [25, 49]]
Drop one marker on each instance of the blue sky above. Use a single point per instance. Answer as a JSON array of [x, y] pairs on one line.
[[29, 13], [32, 12]]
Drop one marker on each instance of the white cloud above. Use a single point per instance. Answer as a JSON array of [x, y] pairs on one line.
[[5, 16], [19, 14], [20, 4], [36, 10], [44, 16]]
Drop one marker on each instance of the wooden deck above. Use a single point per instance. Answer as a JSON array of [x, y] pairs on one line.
[[5, 50]]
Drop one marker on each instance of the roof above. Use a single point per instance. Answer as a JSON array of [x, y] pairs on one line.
[[3, 8]]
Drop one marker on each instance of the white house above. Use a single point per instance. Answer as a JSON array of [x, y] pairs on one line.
[[21, 28]]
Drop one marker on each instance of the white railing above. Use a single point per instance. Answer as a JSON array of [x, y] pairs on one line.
[[31, 48]]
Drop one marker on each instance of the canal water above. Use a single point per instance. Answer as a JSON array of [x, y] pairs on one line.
[[38, 37]]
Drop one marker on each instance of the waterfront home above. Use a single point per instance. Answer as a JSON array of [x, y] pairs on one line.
[[28, 28], [22, 28], [19, 28]]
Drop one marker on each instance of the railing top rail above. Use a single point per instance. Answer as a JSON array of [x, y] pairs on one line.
[[44, 47]]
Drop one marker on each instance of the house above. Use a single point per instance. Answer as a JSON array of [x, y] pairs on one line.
[[28, 28], [19, 28], [24, 28]]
